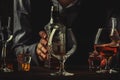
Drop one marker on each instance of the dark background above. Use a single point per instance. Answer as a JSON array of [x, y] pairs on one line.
[[95, 13]]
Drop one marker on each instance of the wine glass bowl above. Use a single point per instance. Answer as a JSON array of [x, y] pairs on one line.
[[107, 46], [107, 52], [5, 38], [58, 47]]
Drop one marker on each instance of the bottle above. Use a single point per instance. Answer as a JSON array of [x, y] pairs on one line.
[[27, 59], [24, 60], [54, 22]]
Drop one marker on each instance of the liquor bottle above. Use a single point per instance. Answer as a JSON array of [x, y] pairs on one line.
[[54, 22]]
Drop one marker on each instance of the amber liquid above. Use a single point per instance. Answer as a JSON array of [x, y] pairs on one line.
[[106, 51], [25, 66]]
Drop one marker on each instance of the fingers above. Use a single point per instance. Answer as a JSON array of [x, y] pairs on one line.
[[41, 51], [41, 47], [43, 34], [43, 42]]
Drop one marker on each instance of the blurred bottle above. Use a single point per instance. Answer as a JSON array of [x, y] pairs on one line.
[[24, 60], [52, 62]]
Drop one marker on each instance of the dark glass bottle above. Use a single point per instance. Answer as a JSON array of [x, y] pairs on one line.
[[54, 22]]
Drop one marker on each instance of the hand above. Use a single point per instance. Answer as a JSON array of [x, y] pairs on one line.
[[41, 49]]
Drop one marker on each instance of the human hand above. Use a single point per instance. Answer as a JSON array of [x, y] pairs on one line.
[[41, 49]]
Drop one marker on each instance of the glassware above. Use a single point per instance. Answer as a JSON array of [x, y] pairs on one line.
[[57, 44], [4, 66], [94, 60], [58, 38], [107, 44], [48, 28], [24, 60]]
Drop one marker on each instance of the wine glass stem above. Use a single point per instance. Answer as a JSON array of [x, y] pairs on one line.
[[62, 69], [4, 55], [107, 65]]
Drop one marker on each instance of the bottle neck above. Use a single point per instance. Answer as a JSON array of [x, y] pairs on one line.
[[54, 15]]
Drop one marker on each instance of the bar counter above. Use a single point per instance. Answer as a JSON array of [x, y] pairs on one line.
[[40, 73]]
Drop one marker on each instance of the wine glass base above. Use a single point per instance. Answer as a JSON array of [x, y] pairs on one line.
[[102, 71], [110, 71], [62, 74], [5, 70]]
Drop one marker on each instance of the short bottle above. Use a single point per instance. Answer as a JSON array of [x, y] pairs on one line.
[[24, 60]]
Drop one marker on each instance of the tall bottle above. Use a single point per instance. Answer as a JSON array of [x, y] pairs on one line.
[[54, 22]]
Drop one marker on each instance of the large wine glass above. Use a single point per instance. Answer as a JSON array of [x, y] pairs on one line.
[[5, 40], [106, 44], [59, 38]]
